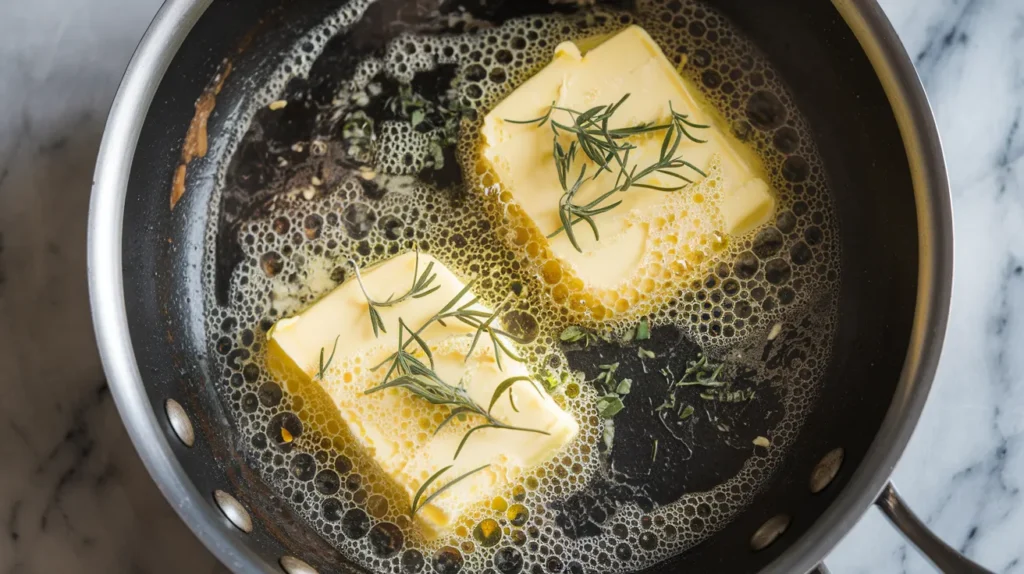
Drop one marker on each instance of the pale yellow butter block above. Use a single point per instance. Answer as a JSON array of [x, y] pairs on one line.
[[396, 428], [630, 62]]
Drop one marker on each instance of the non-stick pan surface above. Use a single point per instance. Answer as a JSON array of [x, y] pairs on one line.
[[854, 127]]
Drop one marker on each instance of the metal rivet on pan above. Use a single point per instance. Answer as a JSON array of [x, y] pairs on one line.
[[293, 565], [826, 470], [769, 531], [234, 510], [180, 422]]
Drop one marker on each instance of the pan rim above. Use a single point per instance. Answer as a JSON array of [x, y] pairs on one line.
[[905, 92], [128, 111], [130, 107]]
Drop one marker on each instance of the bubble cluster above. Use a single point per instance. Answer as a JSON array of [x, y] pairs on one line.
[[728, 296]]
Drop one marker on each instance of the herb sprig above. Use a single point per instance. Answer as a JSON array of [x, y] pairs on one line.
[[323, 365], [421, 287], [406, 370], [417, 504], [609, 150]]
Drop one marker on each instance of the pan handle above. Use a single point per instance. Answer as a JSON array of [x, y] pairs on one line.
[[942, 555], [947, 559]]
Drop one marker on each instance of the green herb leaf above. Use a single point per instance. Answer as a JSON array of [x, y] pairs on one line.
[[506, 385], [624, 387], [645, 354], [421, 287], [643, 330], [323, 365], [609, 405], [686, 413], [417, 505], [608, 434], [503, 426], [669, 403], [459, 413], [436, 155], [571, 334], [417, 117]]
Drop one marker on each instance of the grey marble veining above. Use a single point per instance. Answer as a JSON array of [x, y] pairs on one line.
[[964, 468], [75, 498]]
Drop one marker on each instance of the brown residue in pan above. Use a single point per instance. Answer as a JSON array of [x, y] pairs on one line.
[[196, 144]]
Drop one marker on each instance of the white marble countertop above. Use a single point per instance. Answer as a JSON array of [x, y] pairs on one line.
[[75, 498]]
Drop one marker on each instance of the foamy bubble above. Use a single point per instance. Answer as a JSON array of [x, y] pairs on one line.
[[785, 273]]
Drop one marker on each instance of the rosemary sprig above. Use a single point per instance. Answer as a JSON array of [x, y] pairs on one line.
[[417, 504], [323, 365], [476, 318], [421, 287], [608, 149], [407, 371], [482, 327]]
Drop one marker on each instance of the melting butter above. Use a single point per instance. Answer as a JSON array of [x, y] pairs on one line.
[[734, 202], [396, 428]]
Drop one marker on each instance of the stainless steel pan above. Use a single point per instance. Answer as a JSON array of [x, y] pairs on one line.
[[851, 78]]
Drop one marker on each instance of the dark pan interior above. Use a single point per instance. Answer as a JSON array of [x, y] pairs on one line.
[[854, 128]]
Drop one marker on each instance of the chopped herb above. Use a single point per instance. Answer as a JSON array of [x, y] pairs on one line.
[[417, 117], [607, 376], [670, 378], [357, 130], [624, 386], [572, 334], [609, 405], [645, 354], [654, 454], [727, 396], [670, 403], [550, 379], [686, 413], [702, 374], [608, 435], [554, 382], [710, 384], [643, 330], [440, 121]]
